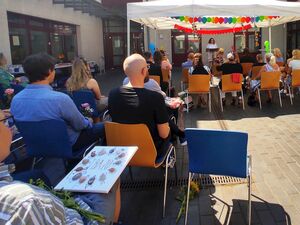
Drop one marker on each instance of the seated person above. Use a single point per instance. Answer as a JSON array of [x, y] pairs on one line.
[[219, 60], [133, 104], [259, 62], [25, 204], [198, 67], [155, 69], [247, 58], [268, 67], [39, 102], [82, 79], [228, 68], [278, 55], [189, 63]]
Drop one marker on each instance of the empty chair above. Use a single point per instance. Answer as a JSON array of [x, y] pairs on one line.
[[199, 84], [48, 138], [246, 68], [269, 81], [184, 78], [295, 83], [229, 86], [216, 152], [156, 78], [146, 156]]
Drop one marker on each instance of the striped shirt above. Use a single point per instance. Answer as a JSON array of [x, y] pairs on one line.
[[23, 204]]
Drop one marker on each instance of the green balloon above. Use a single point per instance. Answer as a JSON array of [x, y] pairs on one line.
[[261, 18], [181, 18], [234, 19], [208, 19], [267, 46]]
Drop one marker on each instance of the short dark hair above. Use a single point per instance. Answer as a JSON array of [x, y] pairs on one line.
[[37, 66], [147, 55]]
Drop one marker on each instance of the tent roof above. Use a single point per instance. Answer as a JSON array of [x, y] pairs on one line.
[[157, 14]]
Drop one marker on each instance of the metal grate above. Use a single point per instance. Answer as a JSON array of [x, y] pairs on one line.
[[203, 180]]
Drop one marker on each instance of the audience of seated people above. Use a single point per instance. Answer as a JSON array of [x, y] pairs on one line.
[[81, 78], [189, 62], [268, 67], [155, 69], [230, 67], [140, 105], [25, 204], [247, 57], [219, 60], [38, 101]]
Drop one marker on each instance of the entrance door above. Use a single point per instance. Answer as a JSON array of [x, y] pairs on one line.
[[118, 50], [182, 44]]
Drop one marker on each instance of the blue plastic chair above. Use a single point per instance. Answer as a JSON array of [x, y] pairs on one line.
[[218, 152], [48, 138], [17, 88], [85, 96]]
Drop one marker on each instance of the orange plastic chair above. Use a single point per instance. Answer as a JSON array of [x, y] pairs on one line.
[[165, 75], [269, 81], [246, 68], [184, 78], [146, 156], [295, 83], [255, 70], [229, 86], [156, 78], [199, 84]]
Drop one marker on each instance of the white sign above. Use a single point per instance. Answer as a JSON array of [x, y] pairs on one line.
[[99, 170]]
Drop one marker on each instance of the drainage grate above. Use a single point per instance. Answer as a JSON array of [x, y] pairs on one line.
[[203, 180]]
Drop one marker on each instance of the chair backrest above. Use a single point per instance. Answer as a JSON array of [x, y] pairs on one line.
[[246, 68], [296, 78], [185, 75], [255, 71], [85, 96], [217, 152], [155, 77], [165, 75], [270, 80], [133, 135], [47, 138], [280, 64], [17, 88], [229, 85], [199, 83]]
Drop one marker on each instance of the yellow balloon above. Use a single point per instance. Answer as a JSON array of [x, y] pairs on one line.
[[186, 19], [238, 19]]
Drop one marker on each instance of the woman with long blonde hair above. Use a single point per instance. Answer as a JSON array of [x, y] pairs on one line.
[[82, 79], [278, 55]]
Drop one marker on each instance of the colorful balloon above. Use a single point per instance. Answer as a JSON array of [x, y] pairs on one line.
[[204, 19], [208, 19], [257, 19], [191, 20], [226, 20], [221, 20], [234, 20], [267, 46], [181, 18], [261, 18], [199, 19], [186, 19], [230, 20]]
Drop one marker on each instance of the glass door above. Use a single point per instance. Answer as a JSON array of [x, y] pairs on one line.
[[118, 48]]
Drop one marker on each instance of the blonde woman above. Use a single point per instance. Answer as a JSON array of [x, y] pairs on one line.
[[268, 67], [278, 55], [82, 79]]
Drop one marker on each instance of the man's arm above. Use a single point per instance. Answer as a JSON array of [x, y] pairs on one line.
[[71, 115]]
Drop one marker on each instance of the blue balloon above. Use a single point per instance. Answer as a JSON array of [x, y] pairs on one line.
[[152, 47]]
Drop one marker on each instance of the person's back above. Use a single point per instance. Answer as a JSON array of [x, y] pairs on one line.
[[200, 70], [229, 68], [138, 105]]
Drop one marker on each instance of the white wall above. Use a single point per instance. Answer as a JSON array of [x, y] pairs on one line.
[[278, 37], [90, 35]]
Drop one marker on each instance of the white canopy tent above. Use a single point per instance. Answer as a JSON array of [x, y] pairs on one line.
[[157, 14]]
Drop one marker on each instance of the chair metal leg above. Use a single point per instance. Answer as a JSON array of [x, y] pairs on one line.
[[130, 173], [258, 93], [209, 101], [279, 97], [187, 199], [187, 102], [249, 190], [243, 99], [221, 103], [165, 187], [291, 99]]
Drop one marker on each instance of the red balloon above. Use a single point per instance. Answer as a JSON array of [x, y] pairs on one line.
[[221, 20], [195, 19], [243, 19], [191, 20], [248, 19]]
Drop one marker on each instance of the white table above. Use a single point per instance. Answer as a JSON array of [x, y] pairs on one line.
[[103, 165]]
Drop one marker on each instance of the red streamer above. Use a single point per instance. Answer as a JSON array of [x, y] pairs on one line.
[[222, 31]]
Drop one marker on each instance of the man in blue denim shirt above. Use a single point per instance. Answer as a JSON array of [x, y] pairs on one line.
[[38, 101]]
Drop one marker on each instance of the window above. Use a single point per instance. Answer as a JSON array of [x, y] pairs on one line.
[[248, 39], [293, 35]]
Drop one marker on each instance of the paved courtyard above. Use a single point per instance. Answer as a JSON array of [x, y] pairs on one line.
[[274, 143]]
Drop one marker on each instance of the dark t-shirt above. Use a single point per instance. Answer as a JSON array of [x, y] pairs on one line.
[[247, 59], [155, 69], [199, 70], [138, 105], [259, 64], [229, 68]]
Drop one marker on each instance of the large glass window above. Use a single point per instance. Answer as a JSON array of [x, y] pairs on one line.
[[193, 43], [248, 39], [29, 35], [179, 44]]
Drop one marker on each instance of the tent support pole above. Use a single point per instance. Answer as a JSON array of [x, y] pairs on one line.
[[270, 36], [128, 37], [155, 38]]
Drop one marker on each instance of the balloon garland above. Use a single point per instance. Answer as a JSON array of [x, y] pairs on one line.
[[211, 32], [224, 20]]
